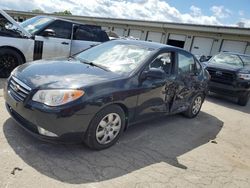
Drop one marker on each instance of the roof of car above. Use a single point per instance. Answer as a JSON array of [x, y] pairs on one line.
[[235, 53], [147, 44], [56, 18]]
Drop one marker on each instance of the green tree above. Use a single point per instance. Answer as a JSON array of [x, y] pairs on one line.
[[66, 12], [39, 11]]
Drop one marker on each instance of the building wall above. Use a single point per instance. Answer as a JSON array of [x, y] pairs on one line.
[[150, 30]]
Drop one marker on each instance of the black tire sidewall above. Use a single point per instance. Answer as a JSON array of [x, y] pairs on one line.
[[90, 136], [243, 99], [13, 53], [189, 112]]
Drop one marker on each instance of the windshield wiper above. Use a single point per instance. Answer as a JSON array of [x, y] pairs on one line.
[[93, 64]]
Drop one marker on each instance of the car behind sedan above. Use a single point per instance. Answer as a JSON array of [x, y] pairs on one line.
[[230, 75], [94, 96]]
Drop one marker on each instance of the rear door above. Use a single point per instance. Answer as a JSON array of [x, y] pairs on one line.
[[188, 81], [54, 46]]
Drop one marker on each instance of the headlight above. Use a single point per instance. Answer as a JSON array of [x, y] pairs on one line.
[[244, 76], [57, 97]]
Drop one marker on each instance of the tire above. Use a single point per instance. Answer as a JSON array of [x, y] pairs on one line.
[[243, 99], [105, 128], [195, 107], [9, 59]]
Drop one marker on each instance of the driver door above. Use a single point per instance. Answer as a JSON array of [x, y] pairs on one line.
[[156, 94]]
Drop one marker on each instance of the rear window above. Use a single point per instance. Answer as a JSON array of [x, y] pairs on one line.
[[90, 34]]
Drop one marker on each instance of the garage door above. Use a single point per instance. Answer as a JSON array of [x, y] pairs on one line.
[[234, 46], [176, 40], [154, 36], [119, 31], [135, 33], [202, 46]]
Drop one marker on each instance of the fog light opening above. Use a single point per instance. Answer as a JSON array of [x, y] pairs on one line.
[[45, 132]]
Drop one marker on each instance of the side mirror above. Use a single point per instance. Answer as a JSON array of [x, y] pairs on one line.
[[153, 73], [49, 33]]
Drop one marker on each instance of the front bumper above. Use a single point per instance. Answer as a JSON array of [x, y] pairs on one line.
[[230, 90], [69, 127]]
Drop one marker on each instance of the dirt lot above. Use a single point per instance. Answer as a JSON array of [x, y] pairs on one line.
[[209, 151]]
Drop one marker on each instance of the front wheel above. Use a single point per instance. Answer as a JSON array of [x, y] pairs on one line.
[[9, 59], [105, 128], [195, 107], [243, 99]]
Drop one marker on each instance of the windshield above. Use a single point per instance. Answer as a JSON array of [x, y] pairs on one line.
[[229, 59], [116, 56], [246, 60], [34, 24]]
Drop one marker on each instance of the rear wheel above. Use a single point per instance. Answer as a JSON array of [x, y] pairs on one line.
[[105, 128], [9, 59], [195, 107], [243, 99]]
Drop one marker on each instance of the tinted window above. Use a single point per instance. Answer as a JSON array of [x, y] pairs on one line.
[[62, 29], [89, 33], [186, 63], [163, 61]]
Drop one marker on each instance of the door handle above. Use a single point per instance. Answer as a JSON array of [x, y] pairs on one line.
[[65, 43]]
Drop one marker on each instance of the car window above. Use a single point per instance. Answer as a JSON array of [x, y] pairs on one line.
[[163, 61], [229, 59], [118, 57], [62, 29], [84, 33], [186, 63], [7, 29], [35, 24], [198, 66], [89, 33]]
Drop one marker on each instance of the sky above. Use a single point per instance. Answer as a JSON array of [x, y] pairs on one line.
[[209, 12]]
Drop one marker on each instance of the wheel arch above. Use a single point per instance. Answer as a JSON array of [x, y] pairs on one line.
[[15, 49]]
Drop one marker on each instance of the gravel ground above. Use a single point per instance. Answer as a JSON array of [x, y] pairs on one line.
[[211, 150]]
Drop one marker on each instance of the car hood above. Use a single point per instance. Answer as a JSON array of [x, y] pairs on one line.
[[61, 74], [11, 20]]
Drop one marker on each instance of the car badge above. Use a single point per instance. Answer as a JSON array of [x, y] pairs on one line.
[[218, 73], [16, 88]]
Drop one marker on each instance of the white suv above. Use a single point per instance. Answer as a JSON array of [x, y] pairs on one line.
[[43, 37]]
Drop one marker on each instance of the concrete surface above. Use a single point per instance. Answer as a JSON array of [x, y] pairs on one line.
[[209, 151]]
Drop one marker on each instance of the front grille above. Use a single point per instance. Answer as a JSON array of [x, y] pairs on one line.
[[18, 89], [222, 76]]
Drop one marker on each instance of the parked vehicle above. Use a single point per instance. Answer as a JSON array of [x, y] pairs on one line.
[[95, 95], [43, 37], [230, 75]]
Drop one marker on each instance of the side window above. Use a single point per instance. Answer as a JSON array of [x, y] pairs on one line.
[[85, 33], [198, 66], [163, 61], [62, 29], [186, 63]]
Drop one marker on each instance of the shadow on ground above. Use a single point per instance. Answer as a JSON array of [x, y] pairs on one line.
[[161, 140], [228, 102]]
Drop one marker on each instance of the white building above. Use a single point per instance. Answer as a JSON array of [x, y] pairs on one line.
[[199, 39]]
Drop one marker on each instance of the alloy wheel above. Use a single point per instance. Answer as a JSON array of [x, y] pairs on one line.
[[197, 105]]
